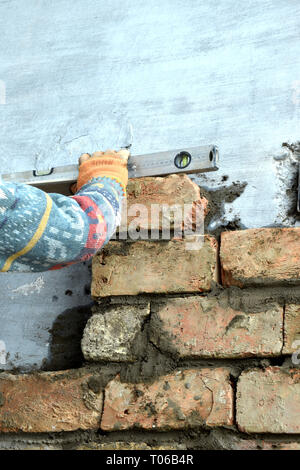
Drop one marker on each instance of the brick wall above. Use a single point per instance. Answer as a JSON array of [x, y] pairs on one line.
[[185, 349]]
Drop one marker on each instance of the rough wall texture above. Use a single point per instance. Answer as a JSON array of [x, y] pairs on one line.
[[176, 357]]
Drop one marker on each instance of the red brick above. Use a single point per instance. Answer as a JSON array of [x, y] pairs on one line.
[[209, 327], [126, 268], [172, 190], [48, 402], [184, 399], [261, 257], [268, 401], [291, 329]]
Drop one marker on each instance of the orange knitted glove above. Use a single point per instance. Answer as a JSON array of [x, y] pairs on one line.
[[110, 164]]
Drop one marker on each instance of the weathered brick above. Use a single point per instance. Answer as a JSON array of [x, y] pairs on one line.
[[265, 256], [291, 329], [268, 401], [126, 268], [111, 335], [184, 399], [143, 194], [48, 402], [209, 327]]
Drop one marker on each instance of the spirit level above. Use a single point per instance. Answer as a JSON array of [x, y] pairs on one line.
[[190, 160]]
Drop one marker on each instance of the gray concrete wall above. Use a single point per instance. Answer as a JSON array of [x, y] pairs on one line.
[[183, 73]]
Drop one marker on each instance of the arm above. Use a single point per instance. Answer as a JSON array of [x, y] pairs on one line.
[[41, 232]]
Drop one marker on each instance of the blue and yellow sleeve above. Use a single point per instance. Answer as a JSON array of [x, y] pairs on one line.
[[40, 231]]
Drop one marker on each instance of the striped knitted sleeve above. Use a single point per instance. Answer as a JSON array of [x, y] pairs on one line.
[[40, 231]]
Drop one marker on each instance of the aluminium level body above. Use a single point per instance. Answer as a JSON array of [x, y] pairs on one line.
[[186, 160]]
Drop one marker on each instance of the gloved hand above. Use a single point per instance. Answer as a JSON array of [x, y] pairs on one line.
[[110, 163], [124, 154]]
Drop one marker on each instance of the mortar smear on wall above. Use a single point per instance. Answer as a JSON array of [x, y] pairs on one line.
[[286, 168], [28, 289]]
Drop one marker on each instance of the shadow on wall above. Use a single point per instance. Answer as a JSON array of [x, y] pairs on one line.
[[65, 342]]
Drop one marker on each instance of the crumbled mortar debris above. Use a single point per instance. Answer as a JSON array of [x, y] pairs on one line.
[[215, 221], [294, 147], [286, 167]]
